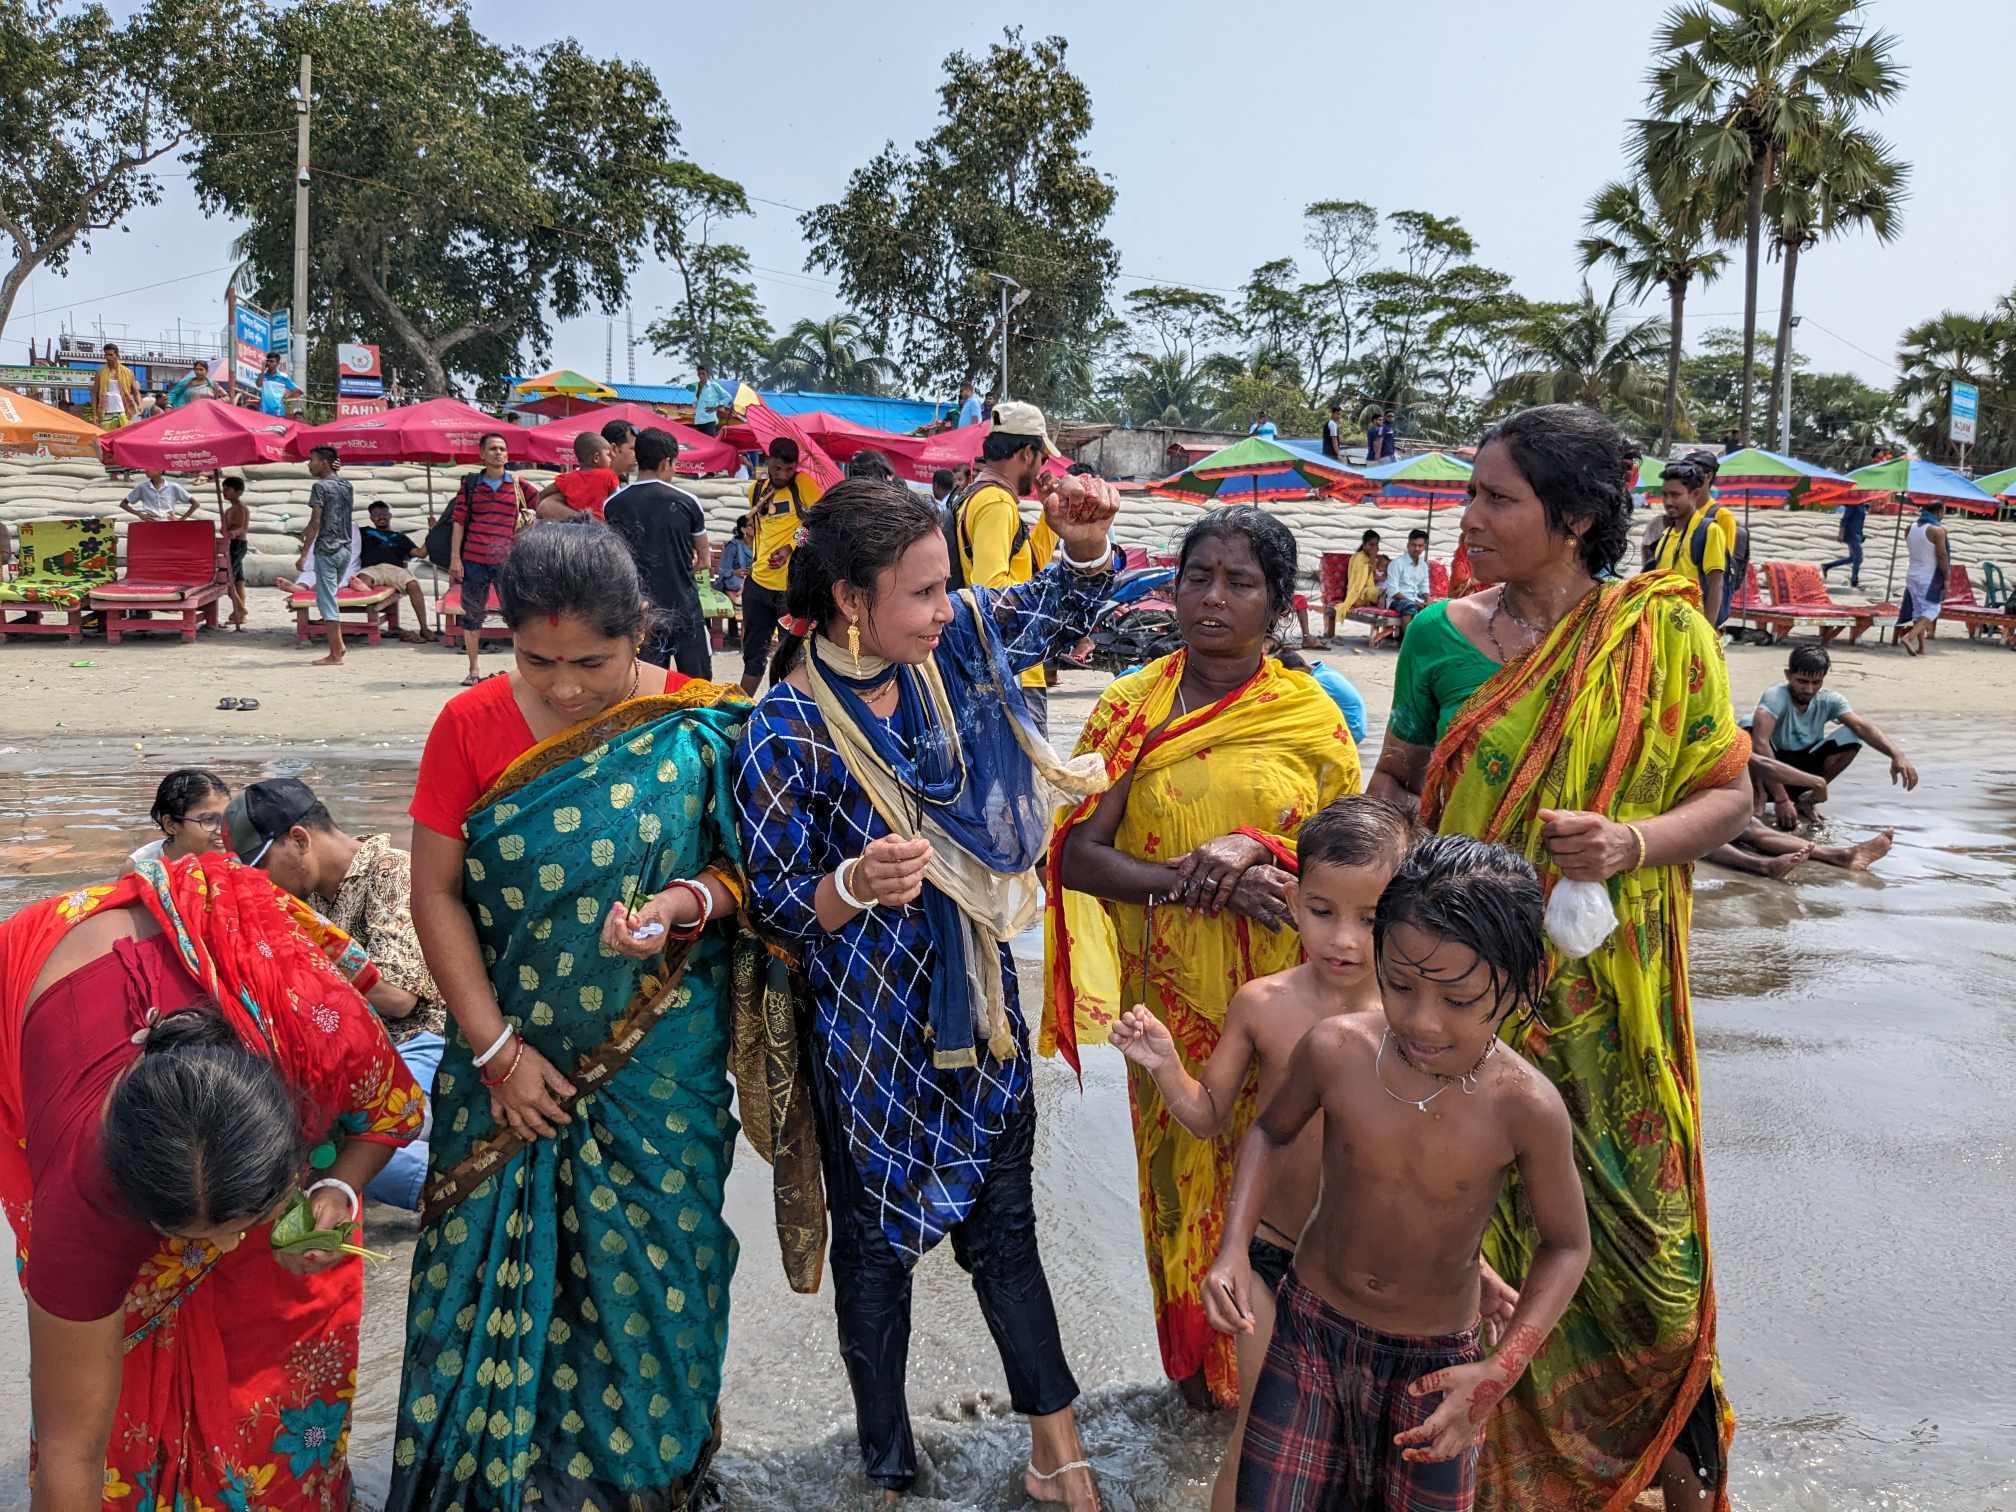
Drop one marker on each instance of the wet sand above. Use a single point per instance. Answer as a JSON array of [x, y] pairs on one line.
[[1854, 1036]]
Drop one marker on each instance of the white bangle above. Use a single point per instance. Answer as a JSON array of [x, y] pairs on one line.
[[356, 1202], [1092, 566], [495, 1045], [840, 886]]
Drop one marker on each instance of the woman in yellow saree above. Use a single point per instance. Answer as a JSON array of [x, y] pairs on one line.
[[1588, 726], [1178, 877]]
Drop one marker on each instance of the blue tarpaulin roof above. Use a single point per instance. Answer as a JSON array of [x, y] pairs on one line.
[[898, 415]]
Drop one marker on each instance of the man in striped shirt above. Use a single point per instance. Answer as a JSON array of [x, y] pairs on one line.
[[486, 518]]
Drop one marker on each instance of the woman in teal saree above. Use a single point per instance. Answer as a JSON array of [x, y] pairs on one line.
[[569, 1299]]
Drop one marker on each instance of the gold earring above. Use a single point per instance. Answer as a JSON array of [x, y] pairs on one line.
[[854, 644]]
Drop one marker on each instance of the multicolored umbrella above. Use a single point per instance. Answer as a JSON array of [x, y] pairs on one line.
[[1252, 471], [1889, 486], [1760, 479], [564, 387], [2002, 485], [1424, 480], [29, 425]]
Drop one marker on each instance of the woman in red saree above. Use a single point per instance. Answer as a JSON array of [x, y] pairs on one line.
[[219, 1055]]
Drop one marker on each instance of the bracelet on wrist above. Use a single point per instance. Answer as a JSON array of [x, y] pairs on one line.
[[339, 1184], [706, 900], [502, 1077], [840, 875], [1638, 835], [495, 1045], [1096, 564]]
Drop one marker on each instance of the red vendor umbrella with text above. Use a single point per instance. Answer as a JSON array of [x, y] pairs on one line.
[[434, 430], [201, 436], [698, 452]]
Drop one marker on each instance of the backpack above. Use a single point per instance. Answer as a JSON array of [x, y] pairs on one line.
[[959, 540], [1735, 573]]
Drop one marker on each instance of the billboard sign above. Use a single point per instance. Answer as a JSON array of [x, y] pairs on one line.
[[358, 372], [1961, 413], [251, 340], [357, 409]]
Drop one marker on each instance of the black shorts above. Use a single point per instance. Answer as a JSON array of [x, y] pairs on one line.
[[762, 608], [1270, 1262], [1813, 759], [238, 549]]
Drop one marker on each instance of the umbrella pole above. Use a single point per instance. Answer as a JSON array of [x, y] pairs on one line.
[[1896, 537]]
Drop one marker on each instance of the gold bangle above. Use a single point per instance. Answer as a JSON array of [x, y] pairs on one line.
[[1638, 835]]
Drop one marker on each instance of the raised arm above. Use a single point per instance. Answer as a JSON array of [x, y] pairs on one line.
[[1200, 1103], [74, 1374], [1544, 1149]]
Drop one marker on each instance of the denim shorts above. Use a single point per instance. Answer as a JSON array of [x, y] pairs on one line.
[[331, 571]]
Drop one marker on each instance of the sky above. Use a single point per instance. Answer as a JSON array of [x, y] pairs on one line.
[[1507, 117]]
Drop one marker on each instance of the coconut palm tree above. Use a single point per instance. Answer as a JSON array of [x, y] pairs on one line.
[[1579, 354], [1736, 85], [1649, 242], [833, 354], [1934, 354], [1835, 182]]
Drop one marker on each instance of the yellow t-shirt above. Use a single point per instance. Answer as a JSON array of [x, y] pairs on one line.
[[777, 522], [1676, 548], [988, 523]]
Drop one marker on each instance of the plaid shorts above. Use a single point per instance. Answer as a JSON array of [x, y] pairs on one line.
[[1333, 1393]]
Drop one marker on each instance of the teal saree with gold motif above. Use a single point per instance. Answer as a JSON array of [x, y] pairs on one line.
[[569, 1299]]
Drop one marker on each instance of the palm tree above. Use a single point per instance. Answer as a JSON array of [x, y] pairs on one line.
[[1650, 242], [1577, 354], [1737, 85], [833, 354], [1835, 182], [1934, 354]]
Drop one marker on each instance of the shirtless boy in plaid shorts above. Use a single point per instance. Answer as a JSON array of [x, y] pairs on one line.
[[1376, 1386]]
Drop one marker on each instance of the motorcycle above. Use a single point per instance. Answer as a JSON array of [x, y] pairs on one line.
[[1137, 622]]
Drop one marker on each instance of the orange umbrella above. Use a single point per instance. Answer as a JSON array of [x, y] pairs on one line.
[[32, 426]]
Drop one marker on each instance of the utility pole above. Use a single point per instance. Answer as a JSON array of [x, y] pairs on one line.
[[1007, 305], [297, 340], [1785, 399]]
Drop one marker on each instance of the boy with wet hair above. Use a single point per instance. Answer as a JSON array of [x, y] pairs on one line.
[[1376, 1386], [1346, 854]]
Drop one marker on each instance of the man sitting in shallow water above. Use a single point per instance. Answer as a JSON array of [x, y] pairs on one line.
[[1791, 726]]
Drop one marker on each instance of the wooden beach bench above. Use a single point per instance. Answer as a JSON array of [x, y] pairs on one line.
[[1799, 587], [173, 575], [60, 562], [1384, 622], [448, 614], [362, 609]]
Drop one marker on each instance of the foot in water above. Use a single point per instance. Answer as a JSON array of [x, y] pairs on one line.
[[1781, 867], [1858, 857], [1069, 1485]]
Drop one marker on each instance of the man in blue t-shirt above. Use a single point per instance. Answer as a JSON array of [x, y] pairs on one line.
[[710, 397], [969, 405], [1791, 725], [274, 387]]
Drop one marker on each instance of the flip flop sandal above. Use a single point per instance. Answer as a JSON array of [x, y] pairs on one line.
[[247, 705], [227, 703], [471, 680]]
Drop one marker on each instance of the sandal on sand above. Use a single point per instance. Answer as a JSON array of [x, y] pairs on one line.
[[227, 703], [247, 705], [472, 679]]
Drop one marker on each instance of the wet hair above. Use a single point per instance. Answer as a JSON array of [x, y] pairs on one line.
[[616, 432], [578, 568], [201, 1132], [1273, 546], [1809, 661], [1579, 464], [859, 529], [1481, 896], [1001, 445], [782, 449], [655, 447], [869, 463], [1354, 831], [943, 479], [182, 790], [1416, 535], [327, 454], [233, 485], [488, 436], [588, 446]]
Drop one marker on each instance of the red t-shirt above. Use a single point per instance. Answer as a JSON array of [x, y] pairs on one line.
[[85, 1249], [478, 733], [588, 488]]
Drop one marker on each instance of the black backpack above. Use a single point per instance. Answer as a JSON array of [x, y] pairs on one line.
[[441, 534], [1737, 571], [959, 540]]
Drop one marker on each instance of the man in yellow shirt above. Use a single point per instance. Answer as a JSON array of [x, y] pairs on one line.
[[1700, 541], [995, 546], [777, 503]]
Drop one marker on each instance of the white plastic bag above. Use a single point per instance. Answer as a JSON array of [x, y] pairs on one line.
[[1579, 917]]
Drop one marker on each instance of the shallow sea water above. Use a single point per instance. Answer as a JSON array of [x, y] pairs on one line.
[[1856, 1040]]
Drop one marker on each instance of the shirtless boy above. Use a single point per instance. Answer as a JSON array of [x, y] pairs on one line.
[[1376, 1386], [1347, 855]]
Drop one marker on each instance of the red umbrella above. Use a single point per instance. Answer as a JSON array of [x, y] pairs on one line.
[[200, 437], [766, 425], [953, 448], [435, 430], [698, 452]]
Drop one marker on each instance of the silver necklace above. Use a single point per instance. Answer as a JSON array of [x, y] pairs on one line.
[[1467, 1080]]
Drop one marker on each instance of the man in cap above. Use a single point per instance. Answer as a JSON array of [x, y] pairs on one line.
[[365, 888], [777, 504]]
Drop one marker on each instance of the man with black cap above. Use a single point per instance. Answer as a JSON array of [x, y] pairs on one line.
[[365, 888], [777, 503]]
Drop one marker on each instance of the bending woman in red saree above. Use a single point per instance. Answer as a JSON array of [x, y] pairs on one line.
[[220, 1055]]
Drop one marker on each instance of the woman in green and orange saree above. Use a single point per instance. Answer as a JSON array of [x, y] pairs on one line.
[[575, 886], [1588, 726]]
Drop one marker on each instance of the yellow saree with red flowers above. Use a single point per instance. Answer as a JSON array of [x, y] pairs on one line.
[[1262, 759], [1623, 710]]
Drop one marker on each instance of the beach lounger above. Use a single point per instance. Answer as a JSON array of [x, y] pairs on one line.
[[173, 576], [60, 562], [1799, 588], [1748, 608], [1961, 606], [1384, 622], [363, 610], [448, 617]]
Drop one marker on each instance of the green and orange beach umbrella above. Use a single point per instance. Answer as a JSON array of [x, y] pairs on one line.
[[560, 392], [1888, 486], [1426, 480], [1254, 471]]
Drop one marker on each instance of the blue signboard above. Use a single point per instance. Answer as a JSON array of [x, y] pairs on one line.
[[1962, 412], [281, 338], [252, 339]]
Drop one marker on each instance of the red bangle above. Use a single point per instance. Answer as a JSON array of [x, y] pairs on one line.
[[516, 1056], [1284, 855], [706, 902]]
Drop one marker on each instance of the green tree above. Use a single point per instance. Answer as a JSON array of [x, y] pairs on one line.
[[1652, 243], [1580, 354], [719, 321], [1002, 186], [1837, 419], [463, 189], [1736, 84], [1833, 182], [1711, 384], [80, 126], [833, 355], [1956, 346], [1344, 235]]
